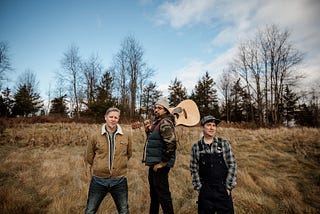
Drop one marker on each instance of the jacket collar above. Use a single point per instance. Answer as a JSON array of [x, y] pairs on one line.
[[165, 116], [104, 130]]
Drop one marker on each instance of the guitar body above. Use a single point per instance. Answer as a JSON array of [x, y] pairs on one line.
[[186, 113]]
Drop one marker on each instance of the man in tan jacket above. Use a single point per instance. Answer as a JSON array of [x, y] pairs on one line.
[[107, 154]]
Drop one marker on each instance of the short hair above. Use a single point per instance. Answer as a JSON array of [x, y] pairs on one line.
[[112, 109]]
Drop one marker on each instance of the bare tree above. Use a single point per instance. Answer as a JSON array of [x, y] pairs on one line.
[[243, 71], [71, 64], [121, 77], [253, 68], [60, 88], [266, 64], [28, 78], [134, 59], [280, 59], [5, 64], [47, 108], [92, 70], [225, 85], [132, 71]]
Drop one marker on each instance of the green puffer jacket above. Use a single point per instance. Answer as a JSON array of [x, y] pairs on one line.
[[98, 154], [161, 142]]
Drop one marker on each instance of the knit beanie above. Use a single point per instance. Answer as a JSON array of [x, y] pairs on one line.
[[163, 102]]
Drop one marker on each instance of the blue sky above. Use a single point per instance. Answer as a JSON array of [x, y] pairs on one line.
[[182, 39]]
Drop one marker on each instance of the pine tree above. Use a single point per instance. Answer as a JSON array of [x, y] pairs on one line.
[[103, 99], [177, 94], [290, 100], [237, 103], [59, 106], [104, 89], [6, 103], [149, 97], [205, 96], [26, 102]]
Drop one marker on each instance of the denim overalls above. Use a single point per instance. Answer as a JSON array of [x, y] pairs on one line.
[[213, 196]]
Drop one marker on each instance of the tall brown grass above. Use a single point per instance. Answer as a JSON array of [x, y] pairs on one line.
[[42, 170]]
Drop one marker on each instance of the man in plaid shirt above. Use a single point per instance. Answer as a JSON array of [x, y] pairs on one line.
[[213, 170]]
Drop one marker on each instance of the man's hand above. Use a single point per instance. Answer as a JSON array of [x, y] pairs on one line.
[[147, 125], [157, 166]]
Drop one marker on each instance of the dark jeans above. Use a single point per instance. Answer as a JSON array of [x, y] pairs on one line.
[[214, 198], [97, 192], [159, 191]]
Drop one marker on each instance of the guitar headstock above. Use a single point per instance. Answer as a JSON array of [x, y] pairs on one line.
[[136, 125]]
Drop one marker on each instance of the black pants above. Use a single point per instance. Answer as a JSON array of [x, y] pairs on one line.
[[159, 191], [214, 198]]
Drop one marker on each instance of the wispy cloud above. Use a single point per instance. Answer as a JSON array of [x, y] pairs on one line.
[[240, 21], [186, 12], [195, 69]]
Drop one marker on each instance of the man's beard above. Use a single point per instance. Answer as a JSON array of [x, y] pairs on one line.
[[156, 115]]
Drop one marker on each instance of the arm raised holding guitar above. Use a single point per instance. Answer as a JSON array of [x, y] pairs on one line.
[[160, 148], [147, 125]]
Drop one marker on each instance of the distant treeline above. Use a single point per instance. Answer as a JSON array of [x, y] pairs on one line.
[[256, 87]]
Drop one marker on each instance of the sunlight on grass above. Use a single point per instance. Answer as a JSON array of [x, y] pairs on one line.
[[42, 170]]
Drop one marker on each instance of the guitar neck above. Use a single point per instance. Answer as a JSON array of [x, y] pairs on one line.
[[136, 125]]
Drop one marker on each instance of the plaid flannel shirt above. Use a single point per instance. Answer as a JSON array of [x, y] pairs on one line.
[[228, 157]]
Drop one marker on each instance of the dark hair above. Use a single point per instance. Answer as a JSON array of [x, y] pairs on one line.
[[112, 109]]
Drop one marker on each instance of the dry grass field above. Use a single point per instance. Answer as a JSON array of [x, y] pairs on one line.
[[42, 170]]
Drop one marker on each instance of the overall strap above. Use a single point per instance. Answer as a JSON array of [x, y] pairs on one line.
[[219, 142], [200, 146]]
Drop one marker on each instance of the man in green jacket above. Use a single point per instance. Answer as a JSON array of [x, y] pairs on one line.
[[159, 155], [107, 154]]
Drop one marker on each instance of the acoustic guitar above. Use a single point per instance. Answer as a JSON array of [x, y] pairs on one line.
[[186, 113]]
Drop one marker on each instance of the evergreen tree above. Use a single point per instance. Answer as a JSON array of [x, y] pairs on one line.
[[177, 94], [307, 113], [3, 107], [314, 104], [237, 102], [6, 103], [205, 96], [59, 106], [103, 98], [149, 97], [26, 101], [104, 89], [289, 104], [304, 116]]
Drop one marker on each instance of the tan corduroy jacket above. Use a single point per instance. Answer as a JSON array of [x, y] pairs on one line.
[[98, 155]]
